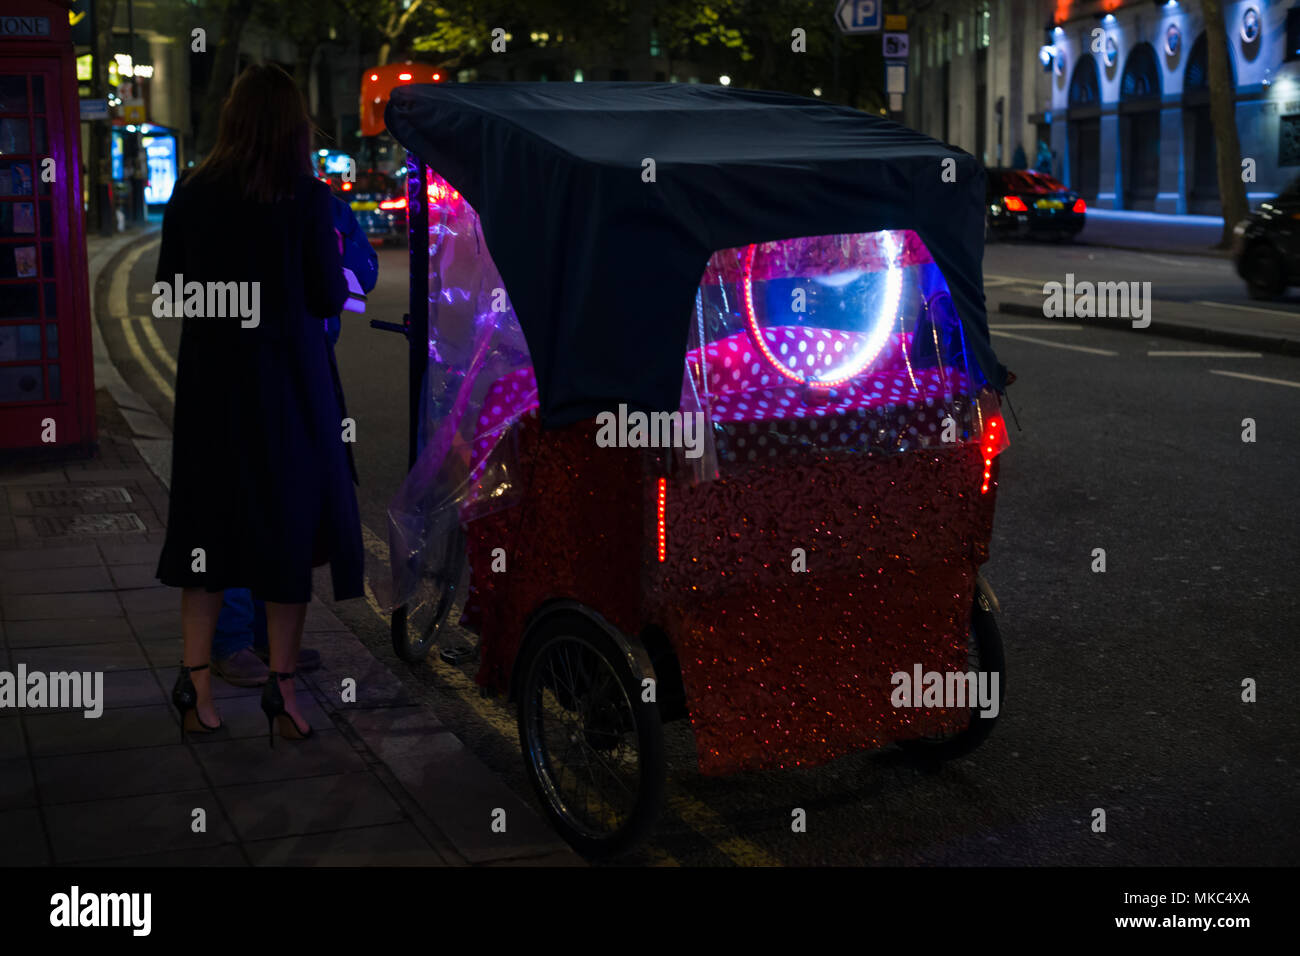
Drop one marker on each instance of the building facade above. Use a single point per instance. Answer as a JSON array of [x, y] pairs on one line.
[[1111, 96]]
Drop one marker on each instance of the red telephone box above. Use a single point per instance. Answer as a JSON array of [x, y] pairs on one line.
[[47, 391]]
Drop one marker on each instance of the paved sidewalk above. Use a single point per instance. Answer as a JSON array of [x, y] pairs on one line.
[[381, 782]]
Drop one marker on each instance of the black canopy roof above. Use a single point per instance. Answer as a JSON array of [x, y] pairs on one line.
[[601, 266]]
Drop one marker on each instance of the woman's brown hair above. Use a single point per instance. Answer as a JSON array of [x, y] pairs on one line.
[[264, 136]]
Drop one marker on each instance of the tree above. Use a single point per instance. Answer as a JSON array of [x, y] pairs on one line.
[[1232, 190], [234, 14], [391, 19]]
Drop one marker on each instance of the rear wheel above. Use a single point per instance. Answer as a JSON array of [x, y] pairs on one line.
[[985, 656], [592, 748]]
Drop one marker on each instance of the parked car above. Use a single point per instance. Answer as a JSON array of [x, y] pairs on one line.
[[1022, 202], [379, 203], [1266, 245]]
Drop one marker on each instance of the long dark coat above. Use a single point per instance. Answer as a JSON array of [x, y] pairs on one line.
[[262, 480]]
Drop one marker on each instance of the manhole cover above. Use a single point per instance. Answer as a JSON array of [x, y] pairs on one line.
[[47, 497], [123, 522]]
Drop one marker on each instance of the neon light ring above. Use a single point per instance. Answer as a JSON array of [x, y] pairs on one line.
[[877, 336]]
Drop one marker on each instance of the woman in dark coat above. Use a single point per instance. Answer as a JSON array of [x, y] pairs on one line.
[[261, 487]]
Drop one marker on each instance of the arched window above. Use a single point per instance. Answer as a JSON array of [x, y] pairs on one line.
[[1141, 74], [1085, 87]]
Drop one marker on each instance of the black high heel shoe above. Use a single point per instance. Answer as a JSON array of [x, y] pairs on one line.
[[273, 707], [186, 699]]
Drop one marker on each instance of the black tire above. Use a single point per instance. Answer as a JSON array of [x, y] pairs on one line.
[[575, 682], [986, 655], [1265, 274], [415, 634]]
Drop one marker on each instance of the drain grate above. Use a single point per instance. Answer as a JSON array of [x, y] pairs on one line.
[[53, 497], [122, 522]]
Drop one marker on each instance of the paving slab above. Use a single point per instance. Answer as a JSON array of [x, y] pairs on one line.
[[117, 773], [103, 630], [45, 607], [307, 805], [30, 559], [392, 844], [134, 825], [244, 760], [51, 735]]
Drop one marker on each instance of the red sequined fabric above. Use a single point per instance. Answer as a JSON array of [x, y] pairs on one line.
[[781, 667], [784, 668]]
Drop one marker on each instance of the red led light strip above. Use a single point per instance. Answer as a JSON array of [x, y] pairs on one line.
[[663, 538], [989, 444]]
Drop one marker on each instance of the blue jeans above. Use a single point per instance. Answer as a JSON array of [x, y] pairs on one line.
[[241, 625]]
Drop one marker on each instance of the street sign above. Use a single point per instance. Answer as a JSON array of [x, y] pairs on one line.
[[896, 22], [896, 102], [133, 112], [858, 16], [894, 46], [94, 109], [896, 76]]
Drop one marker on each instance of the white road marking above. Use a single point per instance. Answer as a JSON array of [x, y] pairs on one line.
[[1255, 378], [1177, 354], [1169, 262], [1054, 326], [1055, 345], [1249, 308]]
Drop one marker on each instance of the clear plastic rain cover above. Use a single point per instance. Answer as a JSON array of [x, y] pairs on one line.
[[844, 344]]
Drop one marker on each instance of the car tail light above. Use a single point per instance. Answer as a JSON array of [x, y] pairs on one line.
[[1014, 204], [1079, 206], [347, 187], [393, 203]]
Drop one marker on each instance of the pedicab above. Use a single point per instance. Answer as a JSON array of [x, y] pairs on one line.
[[705, 425]]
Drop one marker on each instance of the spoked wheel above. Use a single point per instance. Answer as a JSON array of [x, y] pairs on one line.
[[418, 624], [985, 655], [593, 749]]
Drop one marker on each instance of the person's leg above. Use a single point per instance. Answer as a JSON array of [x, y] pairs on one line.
[[284, 631], [199, 612], [234, 624], [308, 658], [232, 648]]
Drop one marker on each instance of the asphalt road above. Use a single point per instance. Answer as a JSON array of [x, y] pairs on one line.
[[1123, 689]]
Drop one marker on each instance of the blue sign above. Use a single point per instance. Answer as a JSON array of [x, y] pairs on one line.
[[161, 154], [859, 16], [115, 151], [94, 109]]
